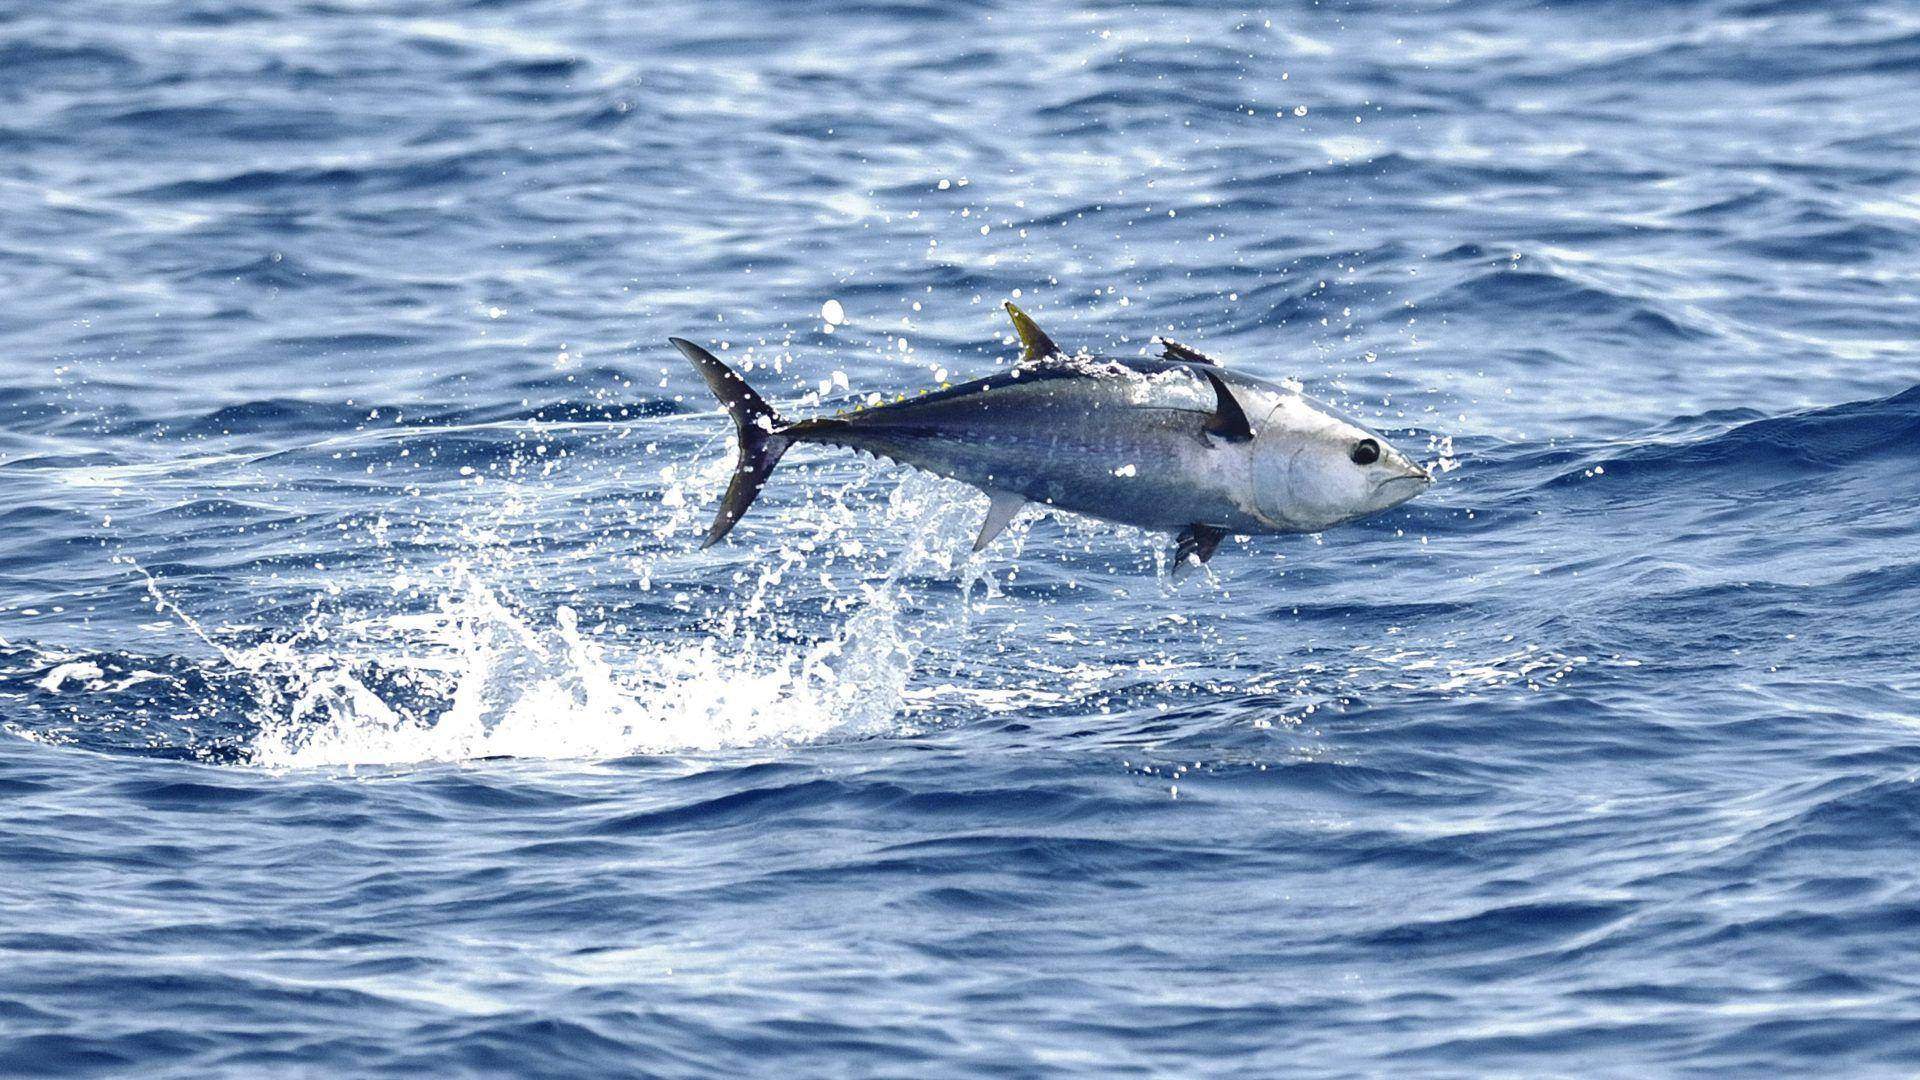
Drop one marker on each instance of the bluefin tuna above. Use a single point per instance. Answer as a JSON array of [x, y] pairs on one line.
[[1176, 442]]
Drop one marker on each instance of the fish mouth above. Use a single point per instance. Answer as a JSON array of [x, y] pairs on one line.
[[1410, 470], [1398, 489]]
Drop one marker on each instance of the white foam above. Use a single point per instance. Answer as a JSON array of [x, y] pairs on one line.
[[79, 670], [502, 680]]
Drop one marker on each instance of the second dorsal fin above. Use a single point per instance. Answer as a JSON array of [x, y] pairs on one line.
[[1034, 342], [1173, 350]]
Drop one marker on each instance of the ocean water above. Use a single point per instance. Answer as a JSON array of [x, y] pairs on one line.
[[367, 710]]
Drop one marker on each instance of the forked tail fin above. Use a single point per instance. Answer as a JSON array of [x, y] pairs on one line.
[[760, 430]]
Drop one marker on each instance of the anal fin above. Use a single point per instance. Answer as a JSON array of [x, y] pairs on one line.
[[1000, 513], [1198, 543]]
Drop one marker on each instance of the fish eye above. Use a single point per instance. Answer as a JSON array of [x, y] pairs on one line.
[[1366, 452]]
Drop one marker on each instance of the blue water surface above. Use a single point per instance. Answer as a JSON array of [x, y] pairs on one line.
[[369, 711]]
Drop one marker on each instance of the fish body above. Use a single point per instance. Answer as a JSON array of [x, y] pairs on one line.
[[1175, 442]]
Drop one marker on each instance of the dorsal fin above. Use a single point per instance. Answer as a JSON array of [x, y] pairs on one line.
[[1034, 342], [1229, 420], [1173, 350]]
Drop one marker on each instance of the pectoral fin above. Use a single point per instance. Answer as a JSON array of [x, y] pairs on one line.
[[1000, 513], [1198, 543], [1229, 421]]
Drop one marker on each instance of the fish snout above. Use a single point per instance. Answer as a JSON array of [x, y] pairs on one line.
[[1404, 480], [1405, 468]]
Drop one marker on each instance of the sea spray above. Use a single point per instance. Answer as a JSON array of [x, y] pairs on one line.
[[484, 676]]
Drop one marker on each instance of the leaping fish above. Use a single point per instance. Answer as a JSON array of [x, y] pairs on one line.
[[1177, 443]]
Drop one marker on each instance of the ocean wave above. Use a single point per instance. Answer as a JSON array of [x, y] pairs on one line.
[[1859, 437]]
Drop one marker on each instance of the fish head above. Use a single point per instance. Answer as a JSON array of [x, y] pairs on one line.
[[1313, 468]]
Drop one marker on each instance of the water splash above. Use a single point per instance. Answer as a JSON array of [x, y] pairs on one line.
[[496, 681], [482, 675]]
